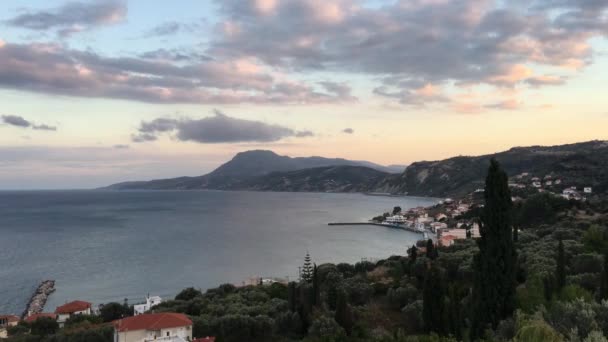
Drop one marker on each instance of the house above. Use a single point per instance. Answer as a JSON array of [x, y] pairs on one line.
[[447, 240], [435, 226], [558, 181], [440, 216], [67, 310], [536, 184], [7, 321], [166, 326], [34, 317], [548, 183], [139, 309], [587, 190], [463, 208]]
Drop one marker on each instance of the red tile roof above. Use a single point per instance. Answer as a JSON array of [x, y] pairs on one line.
[[204, 339], [155, 321], [71, 307], [9, 318], [34, 317]]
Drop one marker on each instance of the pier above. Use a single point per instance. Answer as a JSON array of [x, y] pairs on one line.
[[394, 226], [38, 300]]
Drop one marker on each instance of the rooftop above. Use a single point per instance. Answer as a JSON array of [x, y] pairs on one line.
[[156, 321], [71, 307], [34, 317]]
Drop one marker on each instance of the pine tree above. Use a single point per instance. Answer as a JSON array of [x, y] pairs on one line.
[[431, 251], [603, 292], [433, 297], [515, 234], [306, 272], [560, 271], [344, 315], [495, 263]]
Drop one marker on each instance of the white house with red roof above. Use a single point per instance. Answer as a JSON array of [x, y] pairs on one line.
[[166, 327], [67, 310], [7, 321]]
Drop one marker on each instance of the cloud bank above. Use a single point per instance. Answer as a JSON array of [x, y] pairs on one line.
[[72, 17], [219, 128], [18, 121], [415, 52]]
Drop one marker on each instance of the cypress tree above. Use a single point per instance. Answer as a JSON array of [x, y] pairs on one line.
[[433, 305], [495, 263], [515, 234], [455, 317], [412, 254], [292, 296], [344, 315], [548, 282], [603, 292], [316, 296], [431, 251], [560, 271]]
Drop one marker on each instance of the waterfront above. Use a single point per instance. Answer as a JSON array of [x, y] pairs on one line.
[[104, 246]]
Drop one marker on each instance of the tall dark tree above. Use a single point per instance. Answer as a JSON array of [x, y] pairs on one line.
[[603, 292], [548, 287], [292, 296], [515, 234], [431, 251], [495, 263], [412, 253], [306, 271], [396, 210], [344, 314], [433, 297], [455, 320], [560, 271], [316, 290]]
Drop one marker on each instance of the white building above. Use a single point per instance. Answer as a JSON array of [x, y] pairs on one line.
[[536, 184], [139, 309], [67, 310], [166, 327], [587, 190], [7, 321], [395, 219], [435, 226]]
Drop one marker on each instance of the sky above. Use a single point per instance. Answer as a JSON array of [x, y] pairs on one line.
[[100, 91]]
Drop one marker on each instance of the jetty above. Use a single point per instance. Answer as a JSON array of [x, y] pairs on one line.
[[38, 299], [394, 226]]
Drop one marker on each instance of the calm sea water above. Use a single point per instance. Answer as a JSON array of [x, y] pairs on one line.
[[106, 246]]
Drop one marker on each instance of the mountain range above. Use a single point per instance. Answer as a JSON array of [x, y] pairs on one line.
[[580, 164]]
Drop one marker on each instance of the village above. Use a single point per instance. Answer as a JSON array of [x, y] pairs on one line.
[[141, 327], [452, 219]]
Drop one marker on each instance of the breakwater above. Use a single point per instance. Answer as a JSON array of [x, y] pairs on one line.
[[39, 297], [395, 226]]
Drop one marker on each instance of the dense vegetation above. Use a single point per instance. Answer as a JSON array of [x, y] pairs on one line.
[[545, 280]]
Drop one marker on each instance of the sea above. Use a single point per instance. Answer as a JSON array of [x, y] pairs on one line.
[[103, 246]]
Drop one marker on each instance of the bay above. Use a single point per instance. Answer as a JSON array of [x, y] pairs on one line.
[[103, 246]]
